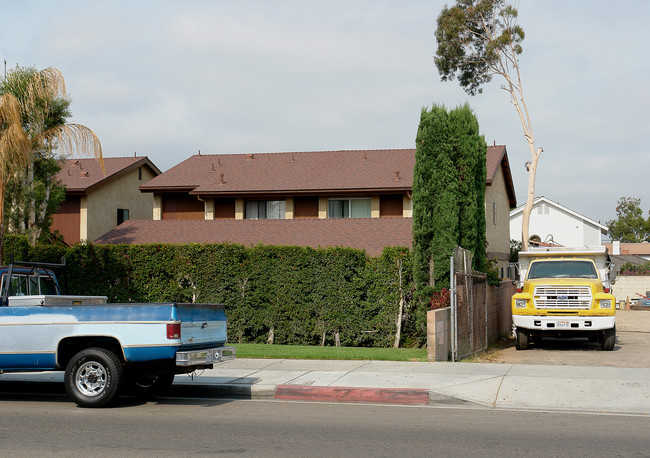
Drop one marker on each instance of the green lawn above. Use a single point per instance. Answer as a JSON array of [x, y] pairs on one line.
[[308, 352]]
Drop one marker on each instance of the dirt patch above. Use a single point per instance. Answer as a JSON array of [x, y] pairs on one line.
[[632, 347]]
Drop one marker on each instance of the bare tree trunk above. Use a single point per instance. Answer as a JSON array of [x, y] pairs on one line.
[[400, 313], [530, 197], [31, 204], [322, 341], [37, 229]]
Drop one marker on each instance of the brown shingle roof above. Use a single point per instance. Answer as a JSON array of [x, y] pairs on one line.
[[290, 172], [79, 175], [370, 234], [319, 171]]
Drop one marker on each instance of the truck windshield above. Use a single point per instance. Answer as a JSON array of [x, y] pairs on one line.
[[562, 269]]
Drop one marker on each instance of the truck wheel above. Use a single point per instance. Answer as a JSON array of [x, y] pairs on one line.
[[92, 377], [522, 340], [147, 386], [608, 339]]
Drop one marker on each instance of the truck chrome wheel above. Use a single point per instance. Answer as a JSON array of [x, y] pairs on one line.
[[91, 379]]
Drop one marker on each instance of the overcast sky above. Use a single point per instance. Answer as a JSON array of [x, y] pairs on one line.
[[168, 78]]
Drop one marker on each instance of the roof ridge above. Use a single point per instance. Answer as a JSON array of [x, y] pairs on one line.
[[303, 152], [104, 158]]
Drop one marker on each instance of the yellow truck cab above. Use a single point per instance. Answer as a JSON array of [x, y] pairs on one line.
[[564, 292]]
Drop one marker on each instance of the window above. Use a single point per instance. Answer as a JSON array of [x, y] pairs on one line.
[[122, 215], [349, 208], [265, 209], [22, 285], [494, 212]]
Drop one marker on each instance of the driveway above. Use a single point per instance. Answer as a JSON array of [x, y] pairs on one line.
[[632, 347]]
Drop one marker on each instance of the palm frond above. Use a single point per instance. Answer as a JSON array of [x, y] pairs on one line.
[[53, 81], [15, 147], [71, 139], [9, 110]]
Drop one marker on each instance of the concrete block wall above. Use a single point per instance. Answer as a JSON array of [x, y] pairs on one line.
[[439, 334], [627, 286]]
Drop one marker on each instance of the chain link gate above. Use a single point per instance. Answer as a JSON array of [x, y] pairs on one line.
[[469, 323]]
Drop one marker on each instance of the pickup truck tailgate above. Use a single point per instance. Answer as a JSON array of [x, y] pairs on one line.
[[202, 324]]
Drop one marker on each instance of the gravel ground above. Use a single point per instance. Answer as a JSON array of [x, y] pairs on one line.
[[632, 347]]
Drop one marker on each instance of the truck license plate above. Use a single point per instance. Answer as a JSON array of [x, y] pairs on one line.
[[562, 324]]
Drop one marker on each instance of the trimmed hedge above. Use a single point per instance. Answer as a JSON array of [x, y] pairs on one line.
[[274, 294]]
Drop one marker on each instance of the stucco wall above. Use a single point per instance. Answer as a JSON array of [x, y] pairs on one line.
[[121, 192], [497, 218]]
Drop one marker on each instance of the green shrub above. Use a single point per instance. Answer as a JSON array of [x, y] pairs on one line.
[[279, 294]]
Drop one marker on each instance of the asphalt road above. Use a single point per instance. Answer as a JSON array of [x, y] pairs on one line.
[[632, 347], [51, 425]]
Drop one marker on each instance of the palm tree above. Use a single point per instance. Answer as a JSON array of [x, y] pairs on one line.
[[15, 151], [44, 109]]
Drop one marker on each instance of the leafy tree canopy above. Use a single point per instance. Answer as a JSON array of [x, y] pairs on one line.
[[477, 39], [630, 226]]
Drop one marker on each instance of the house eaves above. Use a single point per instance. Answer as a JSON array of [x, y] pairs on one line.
[[603, 229], [82, 176]]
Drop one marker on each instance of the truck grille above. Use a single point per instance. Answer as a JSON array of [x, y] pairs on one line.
[[570, 297]]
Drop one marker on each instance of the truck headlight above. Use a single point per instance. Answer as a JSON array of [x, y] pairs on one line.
[[605, 303], [520, 303]]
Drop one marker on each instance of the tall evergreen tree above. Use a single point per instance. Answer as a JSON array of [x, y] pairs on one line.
[[469, 158], [448, 195], [435, 213]]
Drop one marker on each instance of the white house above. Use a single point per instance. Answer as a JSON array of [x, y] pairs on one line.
[[553, 223]]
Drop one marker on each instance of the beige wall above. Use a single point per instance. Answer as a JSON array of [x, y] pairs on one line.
[[497, 225], [627, 287], [102, 203]]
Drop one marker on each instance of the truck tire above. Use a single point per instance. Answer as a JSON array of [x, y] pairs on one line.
[[521, 340], [147, 386], [93, 377], [608, 339]]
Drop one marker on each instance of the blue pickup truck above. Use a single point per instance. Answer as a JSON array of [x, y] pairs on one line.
[[104, 349]]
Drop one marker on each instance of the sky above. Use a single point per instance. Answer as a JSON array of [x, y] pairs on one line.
[[167, 79]]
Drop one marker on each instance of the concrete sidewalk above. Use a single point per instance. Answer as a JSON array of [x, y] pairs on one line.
[[592, 389], [509, 386]]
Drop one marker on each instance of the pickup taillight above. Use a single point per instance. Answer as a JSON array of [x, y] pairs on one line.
[[173, 330]]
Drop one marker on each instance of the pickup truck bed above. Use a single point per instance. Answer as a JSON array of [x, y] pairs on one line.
[[33, 337]]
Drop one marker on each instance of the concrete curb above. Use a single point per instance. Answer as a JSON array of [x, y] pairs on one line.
[[339, 394], [350, 394]]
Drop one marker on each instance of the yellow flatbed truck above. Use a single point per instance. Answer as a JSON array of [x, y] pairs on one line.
[[564, 292]]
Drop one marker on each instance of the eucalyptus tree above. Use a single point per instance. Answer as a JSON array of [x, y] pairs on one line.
[[44, 108], [478, 39]]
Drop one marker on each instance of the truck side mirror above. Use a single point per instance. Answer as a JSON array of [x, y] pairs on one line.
[[612, 273]]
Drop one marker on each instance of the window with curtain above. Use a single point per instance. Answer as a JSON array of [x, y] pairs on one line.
[[349, 208], [265, 209]]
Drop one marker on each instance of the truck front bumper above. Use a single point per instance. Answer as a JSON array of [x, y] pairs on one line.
[[205, 356], [563, 323]]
